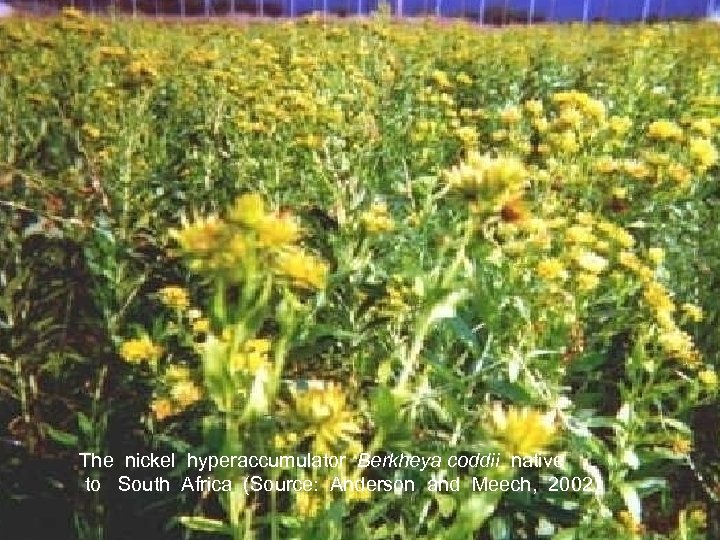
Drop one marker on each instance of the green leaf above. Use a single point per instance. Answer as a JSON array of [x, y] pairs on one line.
[[473, 513], [84, 424], [197, 523], [61, 437], [446, 504], [566, 534]]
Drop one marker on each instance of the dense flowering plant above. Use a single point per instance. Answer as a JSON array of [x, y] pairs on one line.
[[364, 238]]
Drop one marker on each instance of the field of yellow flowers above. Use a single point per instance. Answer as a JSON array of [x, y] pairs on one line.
[[360, 237]]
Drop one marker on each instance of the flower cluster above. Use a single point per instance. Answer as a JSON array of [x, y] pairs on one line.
[[249, 240]]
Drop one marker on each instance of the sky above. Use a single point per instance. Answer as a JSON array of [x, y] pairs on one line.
[[562, 10]]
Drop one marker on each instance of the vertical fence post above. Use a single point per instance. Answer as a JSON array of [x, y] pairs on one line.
[[586, 11], [646, 11], [531, 12], [482, 13], [182, 9]]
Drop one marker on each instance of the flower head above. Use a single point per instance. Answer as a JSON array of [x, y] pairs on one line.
[[522, 431], [138, 350], [328, 418], [174, 297], [302, 269]]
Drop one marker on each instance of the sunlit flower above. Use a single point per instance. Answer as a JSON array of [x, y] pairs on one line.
[[703, 152], [681, 446], [591, 262], [302, 269], [510, 115], [329, 419], [174, 297], [551, 269], [185, 393], [693, 312], [708, 377], [656, 255], [138, 350], [587, 281], [252, 356], [522, 431], [308, 503], [664, 129], [377, 219], [162, 409]]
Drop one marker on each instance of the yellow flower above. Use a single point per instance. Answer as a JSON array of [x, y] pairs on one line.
[[304, 270], [542, 125], [567, 142], [620, 124], [355, 494], [510, 115], [441, 79], [202, 237], [587, 282], [326, 413], [632, 525], [377, 219], [463, 78], [664, 129], [693, 312], [656, 255], [636, 169], [252, 356], [201, 326], [703, 152], [702, 126], [606, 165], [579, 234], [162, 408], [551, 269], [308, 503], [522, 431], [135, 351], [679, 345], [657, 297], [185, 393], [698, 517], [276, 231], [491, 181], [91, 131], [708, 377], [680, 174], [681, 445], [595, 109], [175, 373], [249, 210], [534, 107], [468, 135], [570, 117], [174, 297], [591, 262]]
